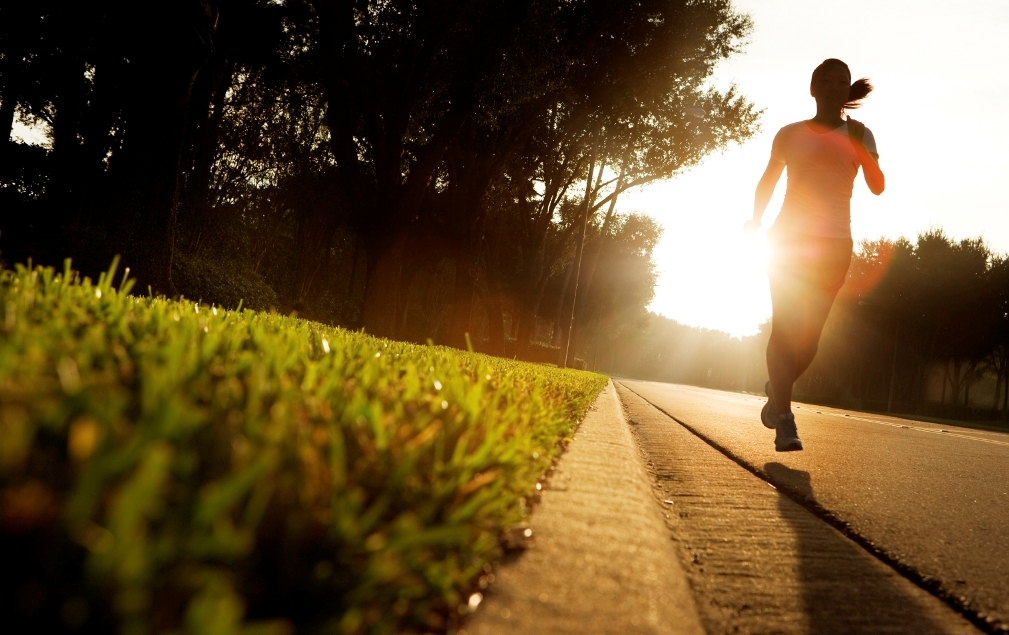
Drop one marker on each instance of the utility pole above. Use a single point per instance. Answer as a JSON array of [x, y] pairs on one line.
[[694, 112], [578, 259]]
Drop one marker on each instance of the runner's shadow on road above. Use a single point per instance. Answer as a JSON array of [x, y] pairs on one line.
[[844, 588]]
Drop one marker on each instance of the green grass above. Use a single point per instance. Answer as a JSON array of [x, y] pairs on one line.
[[171, 467]]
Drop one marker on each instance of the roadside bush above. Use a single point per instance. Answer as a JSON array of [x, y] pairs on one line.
[[223, 282], [172, 467]]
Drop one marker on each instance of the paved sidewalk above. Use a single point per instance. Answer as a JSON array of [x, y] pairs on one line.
[[601, 559]]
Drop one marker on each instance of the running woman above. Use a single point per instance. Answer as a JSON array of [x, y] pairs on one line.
[[811, 239]]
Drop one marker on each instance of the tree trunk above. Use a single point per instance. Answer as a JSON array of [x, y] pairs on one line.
[[69, 103], [354, 267], [204, 132], [147, 170], [566, 354], [528, 311], [998, 391], [383, 285], [945, 378], [560, 329], [600, 245], [955, 383], [316, 229], [1005, 395], [206, 146], [414, 258], [526, 323], [148, 204], [968, 381], [463, 290], [8, 108], [495, 324]]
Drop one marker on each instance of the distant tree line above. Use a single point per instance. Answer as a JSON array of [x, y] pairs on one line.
[[916, 328], [423, 170]]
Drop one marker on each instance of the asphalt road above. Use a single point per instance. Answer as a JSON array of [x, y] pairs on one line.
[[932, 500]]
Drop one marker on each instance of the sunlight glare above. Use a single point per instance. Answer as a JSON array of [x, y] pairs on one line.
[[709, 277], [710, 274]]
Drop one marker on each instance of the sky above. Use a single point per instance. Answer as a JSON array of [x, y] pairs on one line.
[[940, 72]]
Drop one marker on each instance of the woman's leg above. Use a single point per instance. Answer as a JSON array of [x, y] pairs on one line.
[[783, 347], [817, 306], [834, 257]]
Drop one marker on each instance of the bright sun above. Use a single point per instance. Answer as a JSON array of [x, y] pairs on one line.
[[710, 275]]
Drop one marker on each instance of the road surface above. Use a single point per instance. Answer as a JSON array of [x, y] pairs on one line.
[[929, 502]]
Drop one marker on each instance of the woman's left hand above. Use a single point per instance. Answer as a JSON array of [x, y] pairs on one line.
[[856, 130]]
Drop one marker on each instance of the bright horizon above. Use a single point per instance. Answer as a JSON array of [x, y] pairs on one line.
[[935, 113]]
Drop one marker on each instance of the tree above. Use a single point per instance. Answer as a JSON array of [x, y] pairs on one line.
[[406, 79], [437, 158]]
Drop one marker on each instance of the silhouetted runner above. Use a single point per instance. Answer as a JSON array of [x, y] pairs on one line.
[[811, 239]]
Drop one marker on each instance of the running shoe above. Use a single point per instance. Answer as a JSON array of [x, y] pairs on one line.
[[787, 438], [767, 412]]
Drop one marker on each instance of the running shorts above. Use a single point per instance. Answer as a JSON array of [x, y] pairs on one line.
[[817, 261]]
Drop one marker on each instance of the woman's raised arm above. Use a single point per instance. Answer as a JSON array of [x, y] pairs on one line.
[[870, 166]]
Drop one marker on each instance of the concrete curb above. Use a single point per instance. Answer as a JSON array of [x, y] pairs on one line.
[[602, 561]]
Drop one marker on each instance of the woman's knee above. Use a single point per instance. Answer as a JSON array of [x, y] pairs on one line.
[[809, 338], [807, 351], [783, 341]]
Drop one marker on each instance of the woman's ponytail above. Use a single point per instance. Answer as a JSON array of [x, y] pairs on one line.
[[859, 90]]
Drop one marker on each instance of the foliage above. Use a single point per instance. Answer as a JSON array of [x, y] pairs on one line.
[[662, 349], [412, 168], [172, 466], [227, 282], [916, 322], [908, 307]]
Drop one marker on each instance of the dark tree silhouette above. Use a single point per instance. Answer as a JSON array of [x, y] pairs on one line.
[[421, 170]]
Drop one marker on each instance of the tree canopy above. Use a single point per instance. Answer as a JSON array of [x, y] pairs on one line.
[[423, 170]]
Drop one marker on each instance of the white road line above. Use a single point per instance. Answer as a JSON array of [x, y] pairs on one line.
[[909, 427], [811, 408]]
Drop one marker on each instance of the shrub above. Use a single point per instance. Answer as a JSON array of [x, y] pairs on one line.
[[222, 282]]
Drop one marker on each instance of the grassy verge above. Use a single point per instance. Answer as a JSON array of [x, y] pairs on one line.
[[170, 467]]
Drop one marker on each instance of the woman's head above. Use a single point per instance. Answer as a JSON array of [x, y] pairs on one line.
[[831, 82]]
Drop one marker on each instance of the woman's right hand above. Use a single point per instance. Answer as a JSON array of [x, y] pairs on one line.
[[750, 227]]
